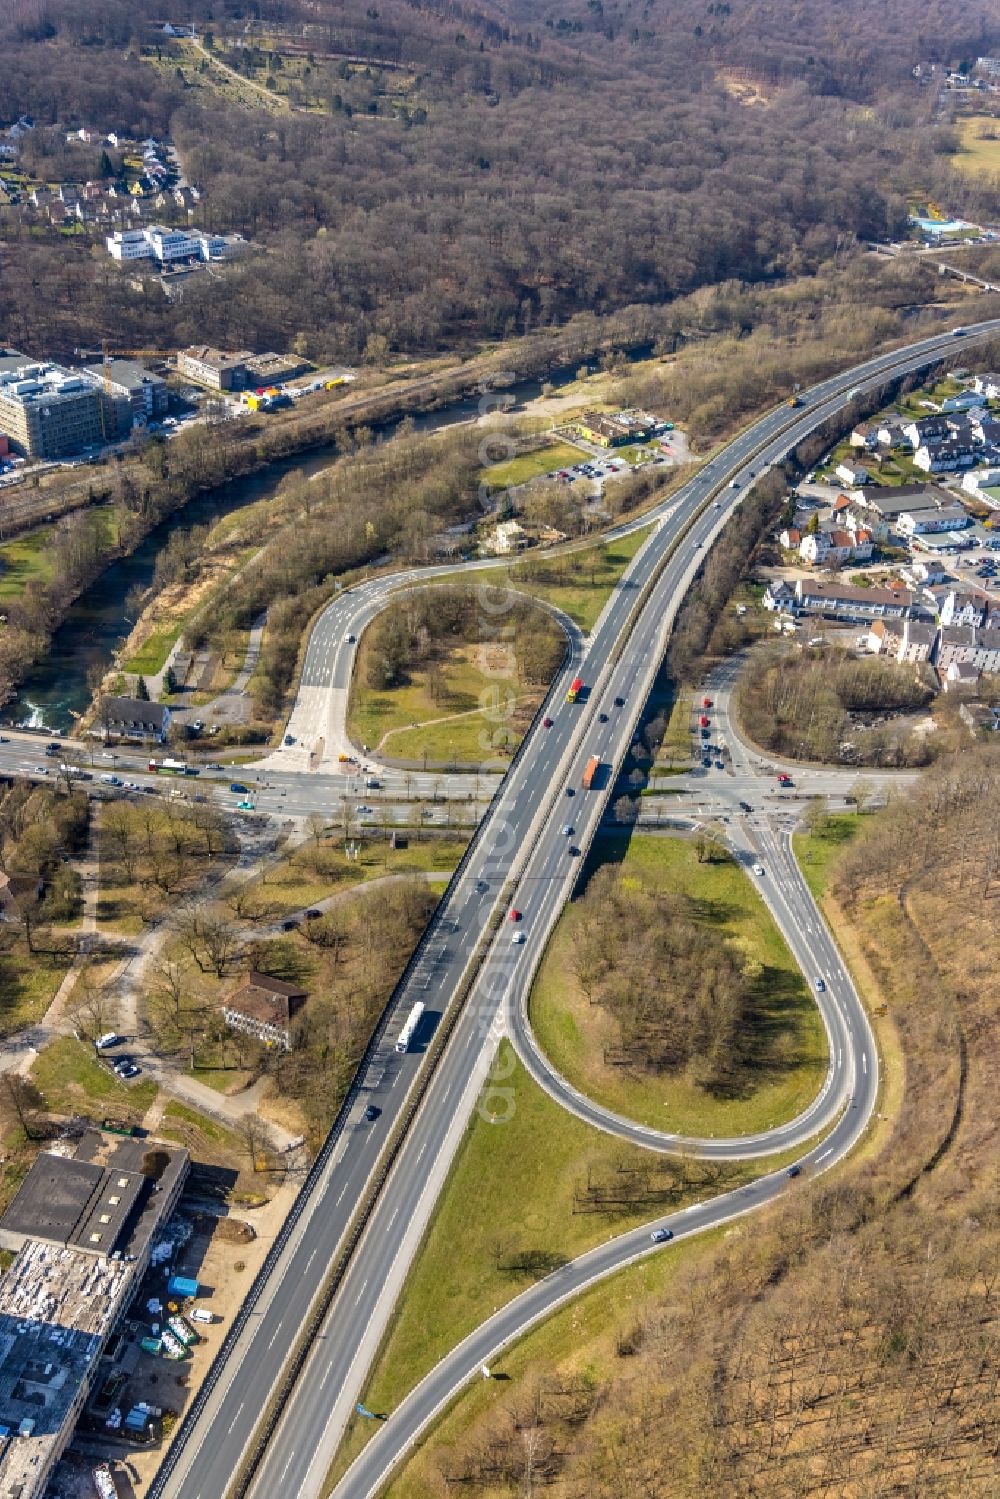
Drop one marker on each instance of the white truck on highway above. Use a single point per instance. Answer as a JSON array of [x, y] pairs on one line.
[[412, 1021]]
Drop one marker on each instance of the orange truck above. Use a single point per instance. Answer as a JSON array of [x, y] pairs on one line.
[[592, 768]]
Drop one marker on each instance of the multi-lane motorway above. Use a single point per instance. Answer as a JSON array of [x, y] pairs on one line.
[[522, 858]]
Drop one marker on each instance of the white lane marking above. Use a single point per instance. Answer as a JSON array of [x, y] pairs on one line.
[[823, 1157], [237, 1415], [362, 1291], [285, 1469], [864, 1062], [422, 1149], [274, 1339]]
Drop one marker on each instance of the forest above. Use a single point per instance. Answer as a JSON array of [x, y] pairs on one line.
[[539, 160], [817, 705], [680, 998]]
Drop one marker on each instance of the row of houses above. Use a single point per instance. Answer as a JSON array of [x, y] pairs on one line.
[[870, 515], [947, 606], [963, 432], [961, 653]]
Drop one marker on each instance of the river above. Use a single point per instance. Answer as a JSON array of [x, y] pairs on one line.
[[96, 626]]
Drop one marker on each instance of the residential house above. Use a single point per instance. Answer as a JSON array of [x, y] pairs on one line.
[[981, 717], [264, 1007], [961, 676], [509, 536], [988, 386], [965, 402], [918, 642], [945, 457], [790, 538], [979, 479], [923, 569], [956, 607], [850, 472], [928, 431], [966, 643], [132, 718], [18, 891], [865, 435], [891, 433], [885, 637], [779, 596], [840, 601], [930, 522]]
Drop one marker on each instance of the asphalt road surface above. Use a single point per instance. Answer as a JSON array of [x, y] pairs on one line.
[[520, 857]]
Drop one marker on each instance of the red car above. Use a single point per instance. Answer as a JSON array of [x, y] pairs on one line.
[[514, 915], [546, 723]]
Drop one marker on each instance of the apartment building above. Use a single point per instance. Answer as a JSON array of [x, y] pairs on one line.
[[49, 412]]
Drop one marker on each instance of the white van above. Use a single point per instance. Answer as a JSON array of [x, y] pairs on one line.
[[201, 1315]]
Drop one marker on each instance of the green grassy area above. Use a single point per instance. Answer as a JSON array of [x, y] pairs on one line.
[[579, 1342], [978, 155], [579, 583], [792, 1047], [527, 466], [27, 559], [678, 744], [515, 1193], [463, 688], [71, 1079], [312, 873], [818, 851], [30, 982], [154, 651]]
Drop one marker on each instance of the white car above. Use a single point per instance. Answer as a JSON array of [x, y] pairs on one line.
[[518, 939], [758, 869]]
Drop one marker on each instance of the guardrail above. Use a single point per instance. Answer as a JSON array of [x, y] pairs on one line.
[[273, 1257]]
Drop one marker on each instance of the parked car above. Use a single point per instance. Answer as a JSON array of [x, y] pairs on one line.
[[238, 788]]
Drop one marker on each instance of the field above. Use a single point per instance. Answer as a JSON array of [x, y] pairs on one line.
[[818, 851], [546, 460], [26, 560], [573, 1032], [979, 154], [465, 709], [154, 650], [320, 869], [70, 1078], [578, 583]]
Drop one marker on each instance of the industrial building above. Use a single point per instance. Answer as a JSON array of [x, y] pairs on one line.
[[214, 368], [83, 1227], [50, 412]]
